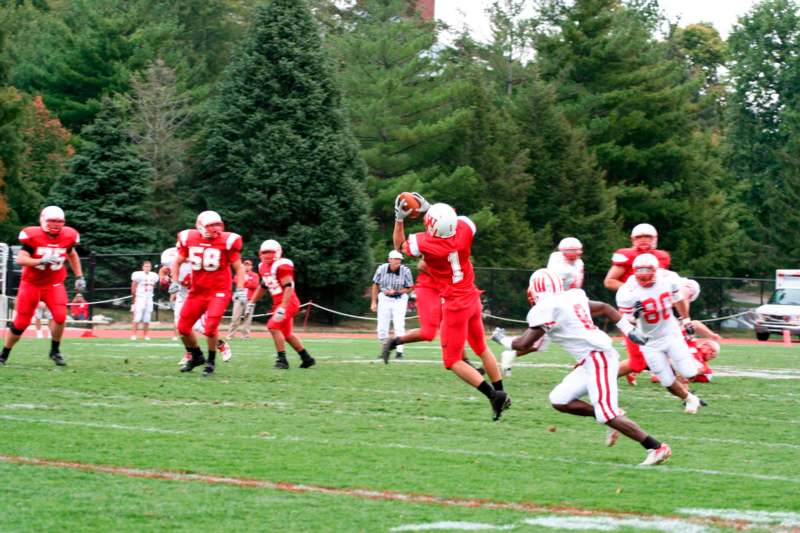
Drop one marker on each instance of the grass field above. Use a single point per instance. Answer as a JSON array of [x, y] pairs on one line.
[[121, 441]]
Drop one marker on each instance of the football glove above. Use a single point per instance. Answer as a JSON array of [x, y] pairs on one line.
[[687, 326], [49, 260], [401, 210], [423, 203], [498, 335], [174, 287], [240, 295], [638, 309], [80, 284], [280, 314], [637, 337]]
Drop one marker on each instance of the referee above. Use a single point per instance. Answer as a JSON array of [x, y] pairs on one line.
[[390, 287]]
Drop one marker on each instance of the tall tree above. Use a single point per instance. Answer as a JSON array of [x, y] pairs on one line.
[[103, 191], [635, 101], [279, 161], [765, 75], [157, 112], [10, 146]]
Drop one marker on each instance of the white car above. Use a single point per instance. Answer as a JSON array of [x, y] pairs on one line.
[[782, 311]]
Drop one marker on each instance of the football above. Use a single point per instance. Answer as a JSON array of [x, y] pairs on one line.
[[411, 203]]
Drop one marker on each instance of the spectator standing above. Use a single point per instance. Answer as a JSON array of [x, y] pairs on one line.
[[79, 308], [241, 316]]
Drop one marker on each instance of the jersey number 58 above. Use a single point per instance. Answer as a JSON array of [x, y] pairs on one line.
[[204, 258]]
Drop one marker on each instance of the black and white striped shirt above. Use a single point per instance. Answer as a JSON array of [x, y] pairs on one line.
[[387, 279]]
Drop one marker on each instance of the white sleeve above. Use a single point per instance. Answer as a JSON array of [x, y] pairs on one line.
[[413, 245], [625, 300], [541, 316], [135, 276], [469, 223], [554, 261]]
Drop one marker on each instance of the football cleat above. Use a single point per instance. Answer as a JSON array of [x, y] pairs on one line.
[[500, 403], [57, 359], [611, 437], [692, 404], [657, 456], [133, 337], [225, 349], [307, 362], [3, 360], [631, 379], [208, 370], [185, 359], [386, 350], [507, 361], [398, 355], [193, 363], [281, 363]]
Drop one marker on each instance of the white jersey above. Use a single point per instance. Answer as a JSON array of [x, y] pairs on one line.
[[145, 283], [571, 273], [657, 320], [568, 321]]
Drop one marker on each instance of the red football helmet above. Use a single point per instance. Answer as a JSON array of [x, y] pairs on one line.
[[707, 348], [644, 237], [209, 224], [571, 248], [645, 267], [51, 219]]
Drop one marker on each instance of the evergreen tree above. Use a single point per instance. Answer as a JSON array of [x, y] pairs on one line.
[[634, 100], [103, 191], [765, 74], [279, 161], [10, 148], [568, 196]]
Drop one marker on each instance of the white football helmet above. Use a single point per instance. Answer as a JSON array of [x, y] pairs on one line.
[[441, 221], [168, 256], [644, 230], [544, 282], [52, 219], [571, 247], [690, 289], [271, 245], [645, 267], [207, 218]]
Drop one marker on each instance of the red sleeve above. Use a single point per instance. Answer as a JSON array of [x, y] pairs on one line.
[[663, 258], [182, 243], [252, 281], [622, 258], [285, 271], [235, 248]]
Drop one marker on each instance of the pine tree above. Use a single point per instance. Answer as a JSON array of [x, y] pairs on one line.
[[279, 161], [10, 148], [103, 191], [635, 101]]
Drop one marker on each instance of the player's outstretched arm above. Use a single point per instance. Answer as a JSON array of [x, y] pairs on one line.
[[522, 344], [621, 321], [613, 281]]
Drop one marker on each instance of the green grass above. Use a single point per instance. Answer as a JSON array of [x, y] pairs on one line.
[[347, 423]]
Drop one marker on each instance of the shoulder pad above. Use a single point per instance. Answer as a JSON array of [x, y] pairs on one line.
[[232, 240], [282, 262], [183, 237], [468, 222]]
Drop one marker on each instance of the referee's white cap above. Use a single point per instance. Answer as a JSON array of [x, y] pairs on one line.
[[394, 254]]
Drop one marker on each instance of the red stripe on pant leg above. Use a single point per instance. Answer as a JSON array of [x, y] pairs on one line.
[[599, 386], [608, 387]]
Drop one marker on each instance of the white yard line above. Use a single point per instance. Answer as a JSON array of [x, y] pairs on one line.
[[783, 519]]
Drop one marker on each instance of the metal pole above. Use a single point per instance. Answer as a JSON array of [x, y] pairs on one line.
[[92, 265]]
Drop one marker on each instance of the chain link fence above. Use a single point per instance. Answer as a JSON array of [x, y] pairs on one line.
[[109, 283]]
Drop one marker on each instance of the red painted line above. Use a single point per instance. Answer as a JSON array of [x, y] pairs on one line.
[[370, 494]]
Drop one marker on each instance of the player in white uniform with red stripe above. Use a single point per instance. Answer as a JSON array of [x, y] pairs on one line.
[[567, 262], [648, 297], [566, 318]]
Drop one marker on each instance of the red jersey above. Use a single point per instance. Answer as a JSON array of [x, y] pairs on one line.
[[624, 258], [271, 275], [250, 283], [210, 259], [38, 243], [449, 262]]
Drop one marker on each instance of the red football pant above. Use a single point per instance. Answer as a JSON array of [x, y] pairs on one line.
[[29, 296], [212, 304], [635, 356], [285, 326], [429, 309], [460, 326]]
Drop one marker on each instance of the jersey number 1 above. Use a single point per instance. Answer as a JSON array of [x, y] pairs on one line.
[[455, 264], [204, 258]]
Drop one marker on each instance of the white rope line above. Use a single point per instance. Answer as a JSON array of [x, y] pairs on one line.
[[727, 317], [333, 311], [110, 300], [506, 319]]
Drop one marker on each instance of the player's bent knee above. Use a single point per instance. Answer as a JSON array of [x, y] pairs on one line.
[[16, 330], [558, 396], [427, 334]]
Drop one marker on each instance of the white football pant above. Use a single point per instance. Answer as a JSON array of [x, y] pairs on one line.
[[392, 311]]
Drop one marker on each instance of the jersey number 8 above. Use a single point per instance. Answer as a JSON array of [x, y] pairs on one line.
[[652, 313], [204, 258]]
